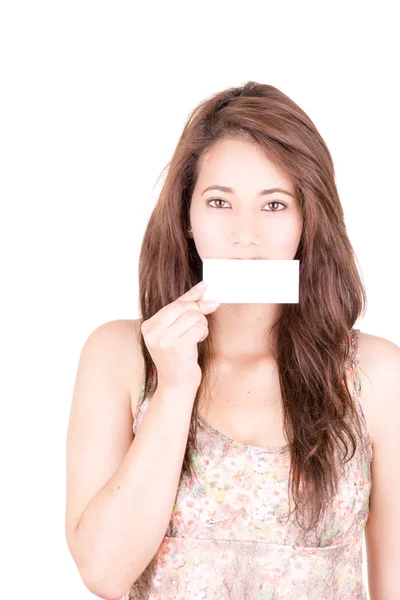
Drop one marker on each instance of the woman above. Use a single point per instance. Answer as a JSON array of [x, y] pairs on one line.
[[244, 410]]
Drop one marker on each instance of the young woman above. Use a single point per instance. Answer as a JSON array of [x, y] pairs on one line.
[[239, 451]]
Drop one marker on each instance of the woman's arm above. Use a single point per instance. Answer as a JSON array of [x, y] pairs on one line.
[[120, 491], [380, 382]]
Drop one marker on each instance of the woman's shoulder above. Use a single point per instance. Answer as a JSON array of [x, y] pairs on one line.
[[123, 340], [376, 353], [379, 366]]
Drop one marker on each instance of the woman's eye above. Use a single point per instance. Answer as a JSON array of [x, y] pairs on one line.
[[215, 200], [272, 202], [276, 202]]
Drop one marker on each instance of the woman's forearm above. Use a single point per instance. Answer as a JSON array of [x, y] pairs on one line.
[[124, 524]]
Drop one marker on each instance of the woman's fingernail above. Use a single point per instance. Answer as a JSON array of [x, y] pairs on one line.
[[212, 303]]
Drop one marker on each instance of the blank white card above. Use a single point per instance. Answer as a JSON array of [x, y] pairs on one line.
[[251, 281]]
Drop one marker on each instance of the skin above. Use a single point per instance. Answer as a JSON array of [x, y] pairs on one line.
[[244, 224]]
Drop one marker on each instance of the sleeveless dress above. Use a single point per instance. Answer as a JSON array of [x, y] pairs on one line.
[[225, 539]]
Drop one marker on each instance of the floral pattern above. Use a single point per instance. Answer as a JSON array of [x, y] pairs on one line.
[[228, 539]]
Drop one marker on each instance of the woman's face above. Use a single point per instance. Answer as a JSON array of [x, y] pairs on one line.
[[225, 224]]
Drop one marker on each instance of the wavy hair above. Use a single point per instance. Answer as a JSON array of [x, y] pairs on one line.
[[312, 337]]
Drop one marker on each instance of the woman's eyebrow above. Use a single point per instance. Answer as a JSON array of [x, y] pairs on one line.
[[228, 190]]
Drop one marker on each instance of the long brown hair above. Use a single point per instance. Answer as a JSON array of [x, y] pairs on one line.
[[312, 337]]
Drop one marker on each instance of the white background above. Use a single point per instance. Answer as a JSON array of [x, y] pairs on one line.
[[94, 96]]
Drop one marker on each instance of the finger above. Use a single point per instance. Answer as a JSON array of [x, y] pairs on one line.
[[191, 300]]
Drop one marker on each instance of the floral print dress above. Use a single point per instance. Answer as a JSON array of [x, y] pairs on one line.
[[226, 539]]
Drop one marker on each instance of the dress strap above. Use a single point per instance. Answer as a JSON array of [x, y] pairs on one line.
[[143, 382], [141, 403], [355, 361], [356, 382]]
